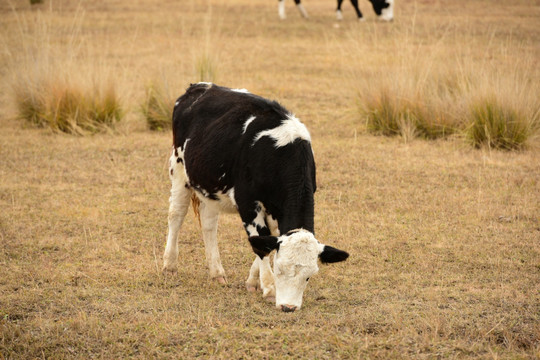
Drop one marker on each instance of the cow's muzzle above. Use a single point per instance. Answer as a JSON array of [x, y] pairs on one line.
[[288, 308]]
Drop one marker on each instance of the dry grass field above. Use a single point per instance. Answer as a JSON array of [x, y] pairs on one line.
[[444, 238]]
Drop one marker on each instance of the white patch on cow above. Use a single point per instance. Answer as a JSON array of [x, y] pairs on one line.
[[222, 176], [294, 263], [176, 103], [287, 132], [181, 151], [251, 230], [388, 13], [339, 15], [226, 201], [230, 193], [208, 84], [261, 214], [281, 10], [243, 91], [246, 124], [258, 221], [273, 225], [302, 10]]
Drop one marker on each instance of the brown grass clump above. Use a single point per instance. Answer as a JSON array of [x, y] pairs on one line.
[[390, 112], [68, 108], [51, 87], [437, 92], [158, 108], [499, 126]]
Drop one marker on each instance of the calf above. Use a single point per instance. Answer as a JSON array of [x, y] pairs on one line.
[[383, 8], [238, 152]]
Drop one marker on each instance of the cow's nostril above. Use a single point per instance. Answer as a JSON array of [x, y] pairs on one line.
[[288, 308]]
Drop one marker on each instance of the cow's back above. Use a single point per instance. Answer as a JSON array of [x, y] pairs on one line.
[[212, 125]]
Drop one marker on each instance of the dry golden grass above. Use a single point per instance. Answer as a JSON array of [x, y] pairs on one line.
[[444, 238]]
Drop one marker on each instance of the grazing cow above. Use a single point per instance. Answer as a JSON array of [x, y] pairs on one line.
[[383, 8], [238, 152]]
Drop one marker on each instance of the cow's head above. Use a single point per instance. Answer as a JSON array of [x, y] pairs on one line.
[[296, 260], [384, 9]]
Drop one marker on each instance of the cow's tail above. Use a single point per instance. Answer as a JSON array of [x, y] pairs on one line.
[[195, 202]]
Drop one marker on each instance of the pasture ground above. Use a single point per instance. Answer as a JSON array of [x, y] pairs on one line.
[[444, 239]]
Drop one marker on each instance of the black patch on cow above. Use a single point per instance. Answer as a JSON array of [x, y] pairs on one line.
[[263, 245], [379, 5], [172, 171], [179, 160], [355, 6], [332, 255]]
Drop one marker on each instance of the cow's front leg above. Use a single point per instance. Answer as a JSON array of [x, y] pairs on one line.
[[260, 274], [209, 223], [266, 277], [301, 8], [252, 283], [281, 10]]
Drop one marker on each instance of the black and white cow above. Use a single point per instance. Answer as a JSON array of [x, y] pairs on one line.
[[383, 8], [238, 152]]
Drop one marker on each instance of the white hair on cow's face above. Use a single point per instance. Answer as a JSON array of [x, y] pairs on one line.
[[287, 132], [295, 262]]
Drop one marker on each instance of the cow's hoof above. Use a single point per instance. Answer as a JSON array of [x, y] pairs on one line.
[[221, 280], [169, 270], [251, 288]]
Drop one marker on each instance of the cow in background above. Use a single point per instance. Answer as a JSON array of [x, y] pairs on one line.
[[383, 8]]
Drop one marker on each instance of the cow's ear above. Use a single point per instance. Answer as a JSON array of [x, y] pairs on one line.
[[263, 245], [332, 255]]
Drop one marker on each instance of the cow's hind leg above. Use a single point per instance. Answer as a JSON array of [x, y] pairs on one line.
[[209, 223], [178, 207]]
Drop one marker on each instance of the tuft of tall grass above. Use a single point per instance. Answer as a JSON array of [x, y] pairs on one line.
[[206, 68], [499, 126], [157, 108], [62, 85], [483, 92], [409, 112], [67, 108], [206, 57]]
